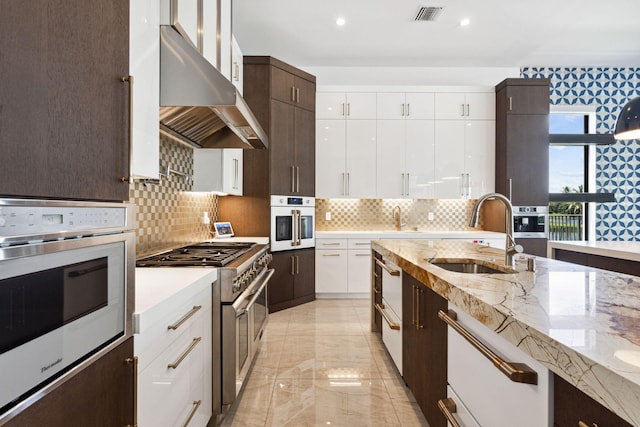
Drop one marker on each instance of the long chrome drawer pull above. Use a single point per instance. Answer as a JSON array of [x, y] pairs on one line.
[[196, 405], [367, 255], [330, 254], [448, 408], [389, 270], [193, 345], [185, 317], [331, 244], [516, 372], [392, 325]]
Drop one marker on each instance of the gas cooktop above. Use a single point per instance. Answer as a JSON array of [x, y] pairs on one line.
[[207, 254]]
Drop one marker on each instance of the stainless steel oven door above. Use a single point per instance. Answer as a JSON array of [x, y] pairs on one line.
[[258, 311], [60, 302]]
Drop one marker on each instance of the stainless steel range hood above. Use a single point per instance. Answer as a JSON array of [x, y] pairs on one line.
[[198, 105]]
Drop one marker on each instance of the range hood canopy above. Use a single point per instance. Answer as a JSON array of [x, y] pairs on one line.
[[198, 104]]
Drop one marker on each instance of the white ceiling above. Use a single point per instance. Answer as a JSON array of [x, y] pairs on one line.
[[502, 33]]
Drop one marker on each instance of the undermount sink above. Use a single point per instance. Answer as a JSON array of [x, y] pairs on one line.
[[470, 266]]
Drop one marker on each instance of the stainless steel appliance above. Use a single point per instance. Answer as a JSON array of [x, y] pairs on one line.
[[530, 221], [66, 291], [243, 276], [292, 223]]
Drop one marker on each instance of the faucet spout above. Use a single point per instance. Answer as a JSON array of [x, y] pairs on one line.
[[511, 247], [397, 216]]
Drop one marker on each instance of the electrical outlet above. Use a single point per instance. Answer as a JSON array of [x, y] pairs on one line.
[[430, 216], [327, 216], [205, 218]]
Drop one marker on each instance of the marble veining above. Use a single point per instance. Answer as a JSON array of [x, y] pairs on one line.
[[580, 322]]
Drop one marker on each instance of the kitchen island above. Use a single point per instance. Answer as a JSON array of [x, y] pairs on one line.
[[579, 322], [619, 256]]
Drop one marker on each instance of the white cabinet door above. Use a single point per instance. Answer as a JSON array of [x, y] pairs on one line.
[[391, 105], [479, 157], [419, 106], [210, 31], [236, 64], [187, 20], [361, 159], [419, 158], [449, 158], [218, 170], [331, 271], [360, 105], [330, 158], [225, 38], [450, 106], [359, 269], [390, 168], [330, 105], [144, 60], [481, 106]]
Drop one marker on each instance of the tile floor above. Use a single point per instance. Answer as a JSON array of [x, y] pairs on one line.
[[320, 365]]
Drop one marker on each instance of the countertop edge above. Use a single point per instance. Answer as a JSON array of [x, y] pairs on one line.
[[605, 248]]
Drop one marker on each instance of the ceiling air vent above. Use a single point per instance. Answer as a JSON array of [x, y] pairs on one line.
[[428, 13]]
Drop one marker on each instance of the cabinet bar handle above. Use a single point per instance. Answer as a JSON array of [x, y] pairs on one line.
[[236, 69], [293, 262], [402, 112], [448, 408], [297, 179], [510, 188], [293, 179], [298, 95], [392, 325], [406, 191], [185, 317], [331, 244], [408, 110], [510, 103], [348, 108], [134, 361], [330, 254], [389, 270], [297, 264], [293, 94], [193, 345], [129, 79], [348, 191], [343, 110], [363, 255], [583, 424], [468, 111], [402, 192], [196, 405], [362, 244], [516, 372], [462, 110], [376, 290], [414, 303], [420, 294]]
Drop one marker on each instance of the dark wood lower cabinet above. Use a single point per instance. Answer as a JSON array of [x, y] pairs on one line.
[[536, 247], [100, 395], [598, 261], [424, 347], [293, 282], [572, 406]]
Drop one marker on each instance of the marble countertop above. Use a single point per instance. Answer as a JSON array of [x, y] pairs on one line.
[[616, 249], [580, 322]]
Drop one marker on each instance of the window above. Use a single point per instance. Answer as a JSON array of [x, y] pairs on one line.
[[571, 174]]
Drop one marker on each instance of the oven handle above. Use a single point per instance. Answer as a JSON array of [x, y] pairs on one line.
[[256, 294]]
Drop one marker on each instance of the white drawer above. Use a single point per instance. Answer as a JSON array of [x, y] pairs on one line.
[[165, 394], [359, 244], [331, 271], [392, 288], [157, 337], [331, 244], [493, 399]]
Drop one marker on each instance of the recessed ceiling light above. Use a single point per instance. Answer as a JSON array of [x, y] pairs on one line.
[[465, 22], [340, 21]]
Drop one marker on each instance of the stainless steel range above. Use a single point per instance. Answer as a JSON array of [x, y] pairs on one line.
[[242, 297]]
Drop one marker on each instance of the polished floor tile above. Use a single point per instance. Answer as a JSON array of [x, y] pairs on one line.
[[319, 365]]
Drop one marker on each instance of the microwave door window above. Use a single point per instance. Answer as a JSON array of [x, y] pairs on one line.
[[284, 228]]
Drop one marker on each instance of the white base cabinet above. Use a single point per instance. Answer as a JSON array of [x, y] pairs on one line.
[[343, 268], [491, 398]]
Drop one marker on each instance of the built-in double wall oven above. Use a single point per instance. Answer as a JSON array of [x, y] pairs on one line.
[[292, 223], [64, 272]]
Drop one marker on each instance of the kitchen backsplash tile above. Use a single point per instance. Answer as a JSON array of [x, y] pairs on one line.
[[169, 214], [376, 214]]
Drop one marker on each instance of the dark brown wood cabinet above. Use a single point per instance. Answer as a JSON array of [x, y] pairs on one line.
[[100, 395], [283, 100], [293, 282], [572, 406], [522, 141], [598, 261], [64, 109], [424, 347]]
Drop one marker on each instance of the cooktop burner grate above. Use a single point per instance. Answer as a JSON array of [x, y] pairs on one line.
[[213, 254]]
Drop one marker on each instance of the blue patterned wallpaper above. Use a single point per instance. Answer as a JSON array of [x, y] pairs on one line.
[[617, 165]]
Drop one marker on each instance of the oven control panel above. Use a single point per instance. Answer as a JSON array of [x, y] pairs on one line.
[[245, 278]]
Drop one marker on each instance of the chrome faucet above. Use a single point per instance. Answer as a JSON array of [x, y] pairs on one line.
[[398, 217], [511, 247]]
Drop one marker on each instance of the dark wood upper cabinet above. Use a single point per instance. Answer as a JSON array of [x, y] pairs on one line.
[[522, 141], [64, 111]]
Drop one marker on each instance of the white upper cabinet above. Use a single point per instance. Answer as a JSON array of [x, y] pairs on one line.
[[225, 38], [236, 64], [465, 106], [144, 63], [409, 106], [218, 170], [210, 31], [345, 105]]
